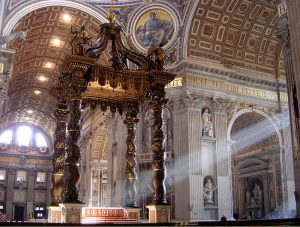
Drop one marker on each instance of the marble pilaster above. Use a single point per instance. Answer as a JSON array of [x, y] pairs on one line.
[[223, 158], [11, 176], [181, 146], [195, 159], [31, 194]]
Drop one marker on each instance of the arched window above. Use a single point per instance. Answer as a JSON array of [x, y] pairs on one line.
[[40, 140], [24, 135], [6, 137]]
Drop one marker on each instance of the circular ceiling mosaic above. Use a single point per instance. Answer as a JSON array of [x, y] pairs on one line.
[[154, 25]]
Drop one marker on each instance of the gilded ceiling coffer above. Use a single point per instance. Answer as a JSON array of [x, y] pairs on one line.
[[130, 80]]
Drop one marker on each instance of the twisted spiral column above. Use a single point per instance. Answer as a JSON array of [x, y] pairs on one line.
[[157, 102], [60, 114], [71, 170], [130, 171]]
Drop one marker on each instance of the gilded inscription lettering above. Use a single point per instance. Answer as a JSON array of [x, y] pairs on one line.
[[227, 87]]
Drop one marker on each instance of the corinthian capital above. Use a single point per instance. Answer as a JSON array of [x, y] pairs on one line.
[[177, 104], [220, 105], [194, 101]]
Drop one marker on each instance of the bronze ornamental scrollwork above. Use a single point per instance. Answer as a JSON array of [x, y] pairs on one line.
[[120, 87]]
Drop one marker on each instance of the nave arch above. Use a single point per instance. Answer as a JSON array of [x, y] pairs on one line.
[[258, 165]]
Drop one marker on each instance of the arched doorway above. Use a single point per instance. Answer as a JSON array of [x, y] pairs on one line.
[[257, 166]]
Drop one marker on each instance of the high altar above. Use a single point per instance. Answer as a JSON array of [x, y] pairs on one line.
[[131, 80]]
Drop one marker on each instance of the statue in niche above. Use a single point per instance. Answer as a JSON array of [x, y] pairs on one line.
[[248, 197], [207, 126], [254, 201], [257, 193], [208, 191]]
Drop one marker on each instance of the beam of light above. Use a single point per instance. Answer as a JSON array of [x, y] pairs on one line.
[[244, 138], [251, 135]]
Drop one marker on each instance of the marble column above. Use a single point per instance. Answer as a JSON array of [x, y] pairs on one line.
[[223, 160]]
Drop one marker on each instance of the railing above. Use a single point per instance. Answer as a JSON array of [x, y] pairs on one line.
[[147, 157]]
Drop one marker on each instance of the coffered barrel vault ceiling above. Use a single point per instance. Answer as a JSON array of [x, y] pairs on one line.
[[237, 34], [37, 60]]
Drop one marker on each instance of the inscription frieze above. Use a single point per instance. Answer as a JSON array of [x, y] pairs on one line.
[[228, 87]]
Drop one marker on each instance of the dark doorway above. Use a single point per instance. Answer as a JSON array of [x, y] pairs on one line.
[[19, 213]]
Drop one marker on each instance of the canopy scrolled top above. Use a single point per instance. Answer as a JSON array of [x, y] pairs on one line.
[[115, 84]]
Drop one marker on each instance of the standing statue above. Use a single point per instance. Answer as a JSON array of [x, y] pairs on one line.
[[208, 192], [257, 193], [157, 57], [207, 126], [248, 197], [80, 42], [8, 38]]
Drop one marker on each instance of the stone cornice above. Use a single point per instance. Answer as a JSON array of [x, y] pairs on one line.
[[216, 72]]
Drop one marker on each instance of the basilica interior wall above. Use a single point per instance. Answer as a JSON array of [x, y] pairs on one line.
[[220, 80]]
